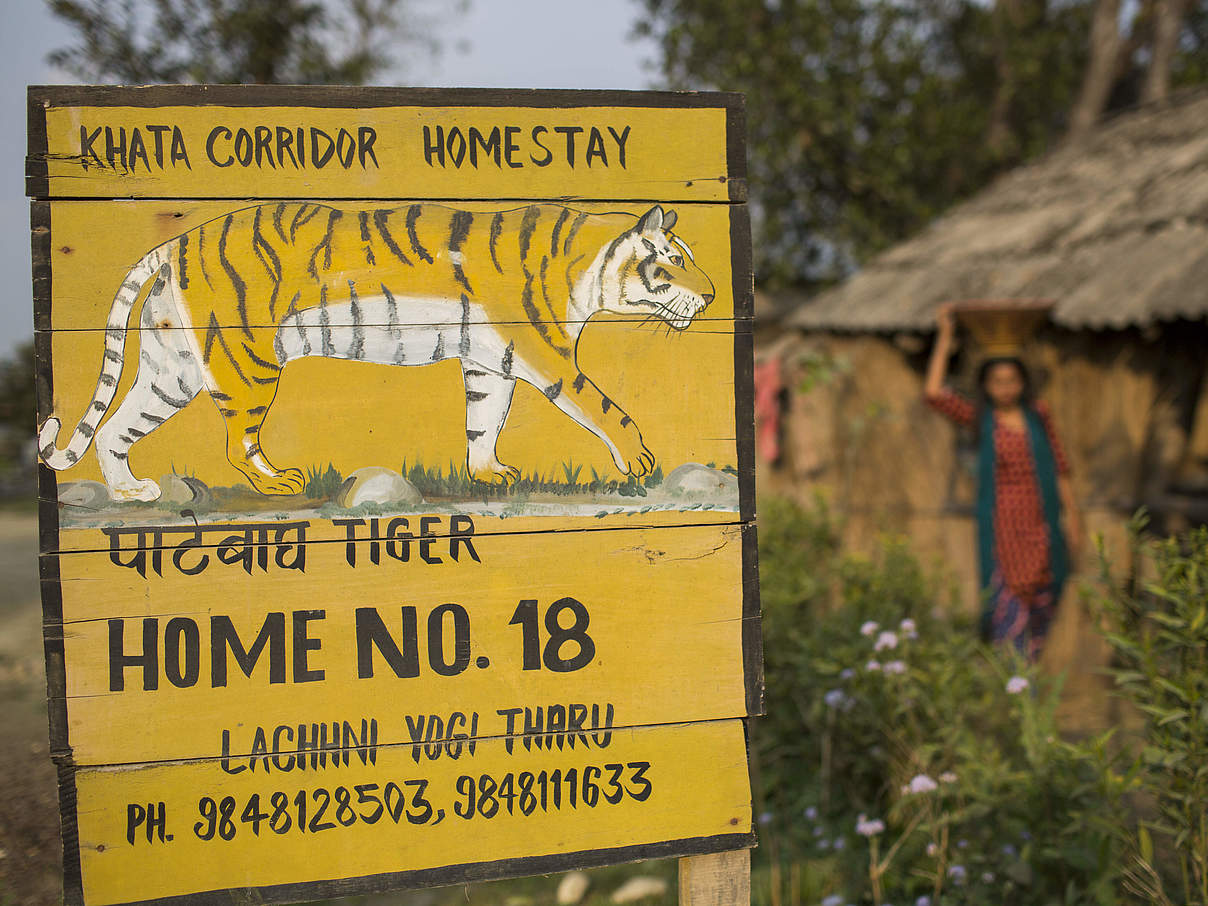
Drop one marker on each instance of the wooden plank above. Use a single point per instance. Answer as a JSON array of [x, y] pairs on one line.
[[716, 879], [271, 250], [200, 142], [334, 623], [601, 588], [680, 789], [621, 356]]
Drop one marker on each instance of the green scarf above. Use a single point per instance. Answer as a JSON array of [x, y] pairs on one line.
[[1046, 478]]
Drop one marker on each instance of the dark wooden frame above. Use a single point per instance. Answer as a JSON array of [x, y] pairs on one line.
[[37, 187]]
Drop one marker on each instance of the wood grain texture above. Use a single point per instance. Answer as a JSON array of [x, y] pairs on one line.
[[126, 271], [548, 145], [676, 787], [716, 879]]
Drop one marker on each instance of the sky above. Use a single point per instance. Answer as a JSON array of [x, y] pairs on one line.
[[496, 44]]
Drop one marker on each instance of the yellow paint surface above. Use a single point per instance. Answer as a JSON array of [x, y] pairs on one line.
[[698, 787], [333, 638], [676, 153], [664, 616], [676, 385]]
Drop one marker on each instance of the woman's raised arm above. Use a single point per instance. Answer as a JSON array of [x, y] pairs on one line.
[[938, 366]]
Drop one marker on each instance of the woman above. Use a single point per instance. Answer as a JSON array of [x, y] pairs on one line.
[[1022, 486]]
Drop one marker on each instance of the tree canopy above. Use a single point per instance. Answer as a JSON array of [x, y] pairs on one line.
[[239, 41], [867, 118]]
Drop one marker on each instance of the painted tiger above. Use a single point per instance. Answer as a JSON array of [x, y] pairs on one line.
[[233, 301]]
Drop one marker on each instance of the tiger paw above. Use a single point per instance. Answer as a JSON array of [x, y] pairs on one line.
[[495, 474], [281, 484], [632, 456]]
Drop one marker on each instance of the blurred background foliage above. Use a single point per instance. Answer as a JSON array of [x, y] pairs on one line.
[[868, 118], [902, 761]]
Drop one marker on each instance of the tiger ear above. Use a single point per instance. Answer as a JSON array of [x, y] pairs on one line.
[[652, 220]]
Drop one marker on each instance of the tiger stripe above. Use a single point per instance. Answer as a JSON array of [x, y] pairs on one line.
[[412, 218], [379, 221], [233, 276]]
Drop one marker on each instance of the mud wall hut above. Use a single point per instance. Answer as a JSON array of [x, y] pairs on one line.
[[1114, 230]]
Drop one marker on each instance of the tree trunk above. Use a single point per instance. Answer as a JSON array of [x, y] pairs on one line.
[[1000, 137], [1168, 23], [1101, 69]]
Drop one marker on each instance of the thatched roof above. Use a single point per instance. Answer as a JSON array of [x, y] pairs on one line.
[[1114, 230]]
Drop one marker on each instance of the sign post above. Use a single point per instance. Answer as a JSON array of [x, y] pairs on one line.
[[397, 495]]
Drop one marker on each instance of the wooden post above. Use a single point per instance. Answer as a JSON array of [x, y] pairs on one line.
[[717, 879]]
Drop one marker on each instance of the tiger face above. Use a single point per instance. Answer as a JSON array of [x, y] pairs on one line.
[[662, 278]]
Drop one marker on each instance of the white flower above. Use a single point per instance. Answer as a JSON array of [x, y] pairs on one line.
[[869, 628], [909, 628], [1009, 850], [872, 666], [886, 640], [869, 828], [846, 673], [818, 831], [1017, 684], [923, 901], [933, 849], [833, 900], [921, 783], [839, 843], [947, 777], [823, 844], [988, 877], [765, 818], [962, 844], [834, 698], [957, 873], [895, 667], [811, 813]]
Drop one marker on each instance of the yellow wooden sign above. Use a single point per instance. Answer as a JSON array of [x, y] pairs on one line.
[[397, 484]]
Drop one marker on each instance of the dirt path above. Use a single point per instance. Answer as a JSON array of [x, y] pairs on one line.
[[29, 814]]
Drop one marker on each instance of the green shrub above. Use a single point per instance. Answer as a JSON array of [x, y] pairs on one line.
[[887, 716], [1158, 632]]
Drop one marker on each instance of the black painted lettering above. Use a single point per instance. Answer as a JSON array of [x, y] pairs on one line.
[[549, 155], [319, 159], [434, 147], [490, 146], [461, 530], [179, 151], [211, 139], [570, 132], [223, 637], [595, 147], [119, 660], [620, 140], [510, 147], [157, 132], [366, 136], [372, 633], [426, 537], [303, 645], [182, 652], [264, 148]]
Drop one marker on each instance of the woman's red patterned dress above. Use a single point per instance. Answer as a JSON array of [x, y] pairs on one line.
[[1021, 533]]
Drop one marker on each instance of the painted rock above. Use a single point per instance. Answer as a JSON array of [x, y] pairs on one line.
[[374, 484], [695, 479], [177, 489], [90, 495]]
